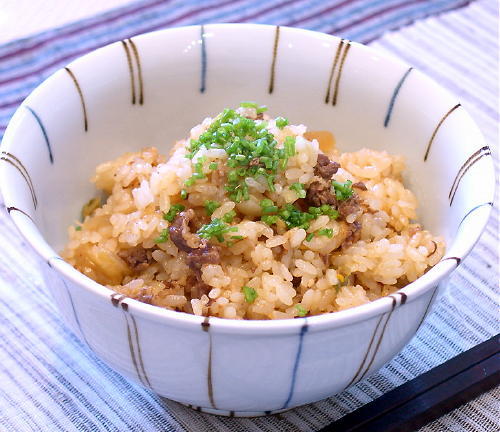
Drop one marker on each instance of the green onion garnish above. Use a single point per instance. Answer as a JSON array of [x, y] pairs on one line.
[[281, 122], [327, 232], [342, 191], [269, 220], [211, 206], [289, 146], [299, 189], [301, 311], [217, 228], [259, 109], [163, 237], [252, 151], [250, 294], [172, 213], [229, 216]]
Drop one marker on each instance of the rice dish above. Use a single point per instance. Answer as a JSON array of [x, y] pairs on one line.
[[251, 217]]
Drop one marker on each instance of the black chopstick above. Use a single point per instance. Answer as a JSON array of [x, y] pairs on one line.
[[430, 395]]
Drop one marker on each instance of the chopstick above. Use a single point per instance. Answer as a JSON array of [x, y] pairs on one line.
[[430, 395]]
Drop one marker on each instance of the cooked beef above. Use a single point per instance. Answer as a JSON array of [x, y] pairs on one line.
[[197, 287], [199, 251], [349, 206], [136, 258], [180, 234], [360, 185], [302, 204], [320, 193], [206, 254], [325, 168]]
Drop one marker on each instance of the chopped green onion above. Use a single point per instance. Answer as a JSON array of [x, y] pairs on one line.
[[229, 216], [250, 294], [270, 183], [299, 189], [78, 228], [248, 105], [216, 229], [268, 206], [301, 311], [309, 237], [324, 209], [172, 213], [244, 140], [293, 217], [184, 194], [211, 206], [163, 237], [266, 202], [342, 191], [327, 232], [237, 237], [289, 146], [213, 166], [269, 220], [259, 109], [281, 122], [270, 209], [232, 176]]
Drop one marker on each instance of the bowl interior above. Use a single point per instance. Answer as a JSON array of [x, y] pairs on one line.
[[149, 91]]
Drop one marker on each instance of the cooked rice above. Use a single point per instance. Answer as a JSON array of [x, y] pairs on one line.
[[290, 275]]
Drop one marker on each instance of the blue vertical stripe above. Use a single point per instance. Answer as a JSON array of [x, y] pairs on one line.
[[303, 331], [203, 48], [44, 132], [394, 96]]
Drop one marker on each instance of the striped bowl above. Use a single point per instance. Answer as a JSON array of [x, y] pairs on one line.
[[150, 90]]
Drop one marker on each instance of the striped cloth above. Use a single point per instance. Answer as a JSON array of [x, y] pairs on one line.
[[49, 381]]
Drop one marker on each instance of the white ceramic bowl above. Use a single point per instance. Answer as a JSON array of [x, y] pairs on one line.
[[150, 91]]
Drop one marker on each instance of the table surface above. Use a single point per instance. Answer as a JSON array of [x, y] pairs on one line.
[[441, 46], [23, 18]]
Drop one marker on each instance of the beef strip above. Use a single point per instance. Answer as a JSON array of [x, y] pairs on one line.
[[319, 193], [325, 168], [198, 287], [136, 258], [206, 254], [199, 251], [180, 233], [349, 206], [360, 185]]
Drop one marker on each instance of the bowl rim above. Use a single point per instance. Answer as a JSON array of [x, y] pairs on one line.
[[413, 290]]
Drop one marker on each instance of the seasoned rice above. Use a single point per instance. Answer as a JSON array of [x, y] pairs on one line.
[[262, 269]]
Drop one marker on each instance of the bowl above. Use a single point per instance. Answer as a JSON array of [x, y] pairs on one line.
[[149, 91]]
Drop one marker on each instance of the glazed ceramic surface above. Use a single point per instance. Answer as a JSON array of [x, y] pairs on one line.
[[149, 91]]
